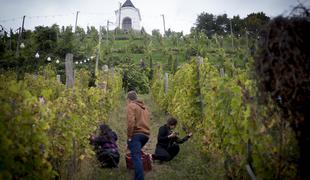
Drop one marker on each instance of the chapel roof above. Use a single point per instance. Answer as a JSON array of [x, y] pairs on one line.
[[128, 3]]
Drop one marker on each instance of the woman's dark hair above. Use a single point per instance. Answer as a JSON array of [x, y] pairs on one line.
[[106, 133], [172, 121], [104, 129]]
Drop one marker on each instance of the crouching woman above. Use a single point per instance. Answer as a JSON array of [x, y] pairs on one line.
[[105, 147], [168, 141]]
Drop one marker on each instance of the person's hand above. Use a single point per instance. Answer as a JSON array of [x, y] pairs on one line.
[[190, 134], [172, 135], [127, 149], [91, 137]]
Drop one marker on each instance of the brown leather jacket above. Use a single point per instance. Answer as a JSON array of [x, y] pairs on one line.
[[138, 119]]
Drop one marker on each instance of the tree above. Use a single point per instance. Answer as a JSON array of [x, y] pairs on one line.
[[92, 33], [46, 38], [143, 32], [156, 33], [80, 33], [66, 44], [168, 32], [222, 24], [238, 25], [255, 22], [205, 23]]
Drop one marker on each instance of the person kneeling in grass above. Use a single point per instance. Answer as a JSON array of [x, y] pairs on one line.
[[168, 141], [105, 147]]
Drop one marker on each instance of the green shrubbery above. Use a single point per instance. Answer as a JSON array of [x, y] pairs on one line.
[[45, 127], [135, 78], [230, 127]]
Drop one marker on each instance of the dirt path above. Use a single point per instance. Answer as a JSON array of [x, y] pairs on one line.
[[187, 165]]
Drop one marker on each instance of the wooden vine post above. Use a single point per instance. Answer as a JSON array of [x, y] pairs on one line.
[[69, 70], [58, 78], [70, 84], [166, 83]]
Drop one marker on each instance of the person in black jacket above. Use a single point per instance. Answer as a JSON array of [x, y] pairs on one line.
[[105, 147], [168, 141]]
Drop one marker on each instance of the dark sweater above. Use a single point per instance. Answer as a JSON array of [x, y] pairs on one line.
[[164, 141], [105, 142]]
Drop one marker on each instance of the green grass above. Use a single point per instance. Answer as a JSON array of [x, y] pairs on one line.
[[120, 43], [136, 58]]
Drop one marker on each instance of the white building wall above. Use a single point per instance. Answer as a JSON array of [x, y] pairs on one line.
[[133, 14]]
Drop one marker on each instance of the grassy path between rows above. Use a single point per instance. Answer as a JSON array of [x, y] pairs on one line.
[[189, 164]]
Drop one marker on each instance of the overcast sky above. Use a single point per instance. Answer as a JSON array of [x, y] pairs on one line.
[[180, 14]]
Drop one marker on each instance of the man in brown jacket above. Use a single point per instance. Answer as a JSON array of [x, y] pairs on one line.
[[138, 130]]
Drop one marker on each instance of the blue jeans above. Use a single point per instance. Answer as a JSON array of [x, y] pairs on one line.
[[135, 146]]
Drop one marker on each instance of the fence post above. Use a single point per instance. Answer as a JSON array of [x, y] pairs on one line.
[[166, 85], [105, 69], [58, 78], [222, 73], [112, 71], [158, 72], [69, 70]]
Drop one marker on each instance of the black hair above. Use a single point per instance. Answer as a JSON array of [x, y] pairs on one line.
[[104, 129], [172, 121]]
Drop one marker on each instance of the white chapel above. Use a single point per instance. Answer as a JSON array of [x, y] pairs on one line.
[[128, 17]]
